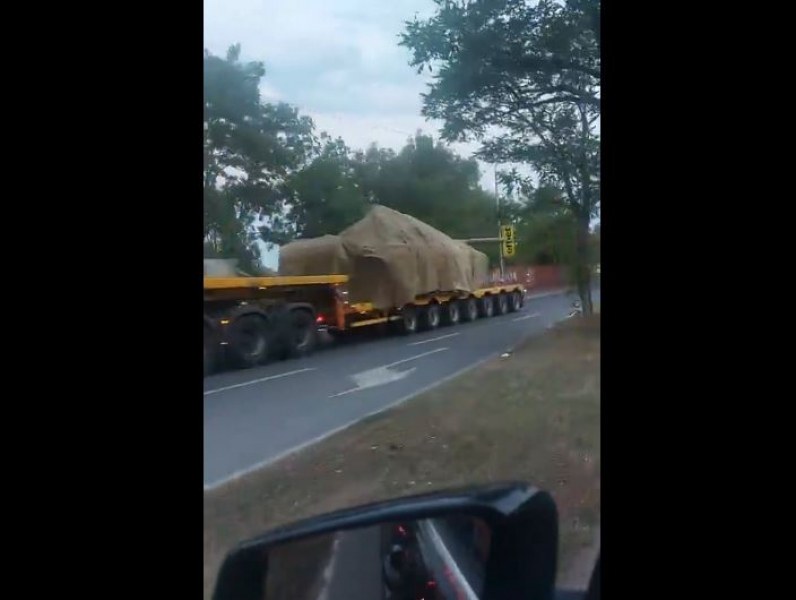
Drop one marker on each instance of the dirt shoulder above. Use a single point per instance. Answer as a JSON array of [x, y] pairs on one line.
[[534, 416]]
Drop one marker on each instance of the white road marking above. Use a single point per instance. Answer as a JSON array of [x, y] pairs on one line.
[[326, 576], [416, 356], [531, 316], [372, 378], [403, 360], [209, 487], [545, 294], [382, 374], [441, 337], [253, 381]]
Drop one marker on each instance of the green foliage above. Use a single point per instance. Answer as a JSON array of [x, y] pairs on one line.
[[326, 196], [530, 72], [545, 229], [496, 59], [250, 148], [425, 179], [430, 182], [523, 78]]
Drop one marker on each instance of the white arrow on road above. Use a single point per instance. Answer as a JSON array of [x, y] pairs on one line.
[[383, 374]]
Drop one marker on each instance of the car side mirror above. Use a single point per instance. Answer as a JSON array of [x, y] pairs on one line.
[[485, 543]]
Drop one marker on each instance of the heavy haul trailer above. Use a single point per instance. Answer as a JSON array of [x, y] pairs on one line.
[[427, 311], [249, 320]]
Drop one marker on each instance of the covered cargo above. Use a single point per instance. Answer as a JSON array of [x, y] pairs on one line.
[[478, 264], [391, 259], [323, 255]]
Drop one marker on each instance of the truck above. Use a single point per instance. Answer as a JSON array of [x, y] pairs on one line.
[[249, 321]]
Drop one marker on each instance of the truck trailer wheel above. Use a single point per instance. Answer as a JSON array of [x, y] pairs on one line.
[[408, 323], [502, 304], [249, 345], [486, 306], [450, 313], [430, 317], [303, 334], [515, 301], [469, 309], [210, 352]]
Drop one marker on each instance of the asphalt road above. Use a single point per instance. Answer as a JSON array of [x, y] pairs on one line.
[[355, 568], [255, 416]]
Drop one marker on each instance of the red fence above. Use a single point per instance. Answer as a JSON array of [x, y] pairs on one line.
[[534, 278]]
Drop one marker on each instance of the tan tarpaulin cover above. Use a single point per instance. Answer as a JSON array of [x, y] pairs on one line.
[[316, 256], [479, 265], [390, 257]]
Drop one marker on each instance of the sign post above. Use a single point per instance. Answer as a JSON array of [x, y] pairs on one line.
[[508, 245]]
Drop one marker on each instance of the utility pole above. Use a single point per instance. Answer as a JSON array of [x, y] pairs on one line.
[[497, 210]]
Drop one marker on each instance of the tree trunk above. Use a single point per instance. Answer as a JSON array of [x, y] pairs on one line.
[[583, 251], [583, 265]]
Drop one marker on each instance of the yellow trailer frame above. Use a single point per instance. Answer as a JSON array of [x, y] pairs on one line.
[[363, 314], [226, 283]]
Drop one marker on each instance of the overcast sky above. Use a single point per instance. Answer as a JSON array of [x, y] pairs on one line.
[[336, 60]]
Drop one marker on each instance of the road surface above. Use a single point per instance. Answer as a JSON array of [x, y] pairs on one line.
[[255, 416], [354, 571]]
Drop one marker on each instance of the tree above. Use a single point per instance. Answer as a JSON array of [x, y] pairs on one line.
[[425, 179], [524, 79], [325, 195], [430, 182], [595, 244], [545, 227], [250, 148]]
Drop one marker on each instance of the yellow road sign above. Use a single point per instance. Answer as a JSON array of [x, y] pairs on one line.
[[508, 244]]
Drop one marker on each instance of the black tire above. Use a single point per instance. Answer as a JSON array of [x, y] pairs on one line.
[[430, 317], [249, 344], [515, 301], [486, 307], [409, 321], [469, 309], [209, 352], [502, 304], [450, 313], [339, 335], [303, 334]]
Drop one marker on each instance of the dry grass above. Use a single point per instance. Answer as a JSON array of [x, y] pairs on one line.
[[534, 416]]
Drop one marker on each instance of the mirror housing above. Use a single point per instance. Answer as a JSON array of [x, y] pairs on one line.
[[523, 550]]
